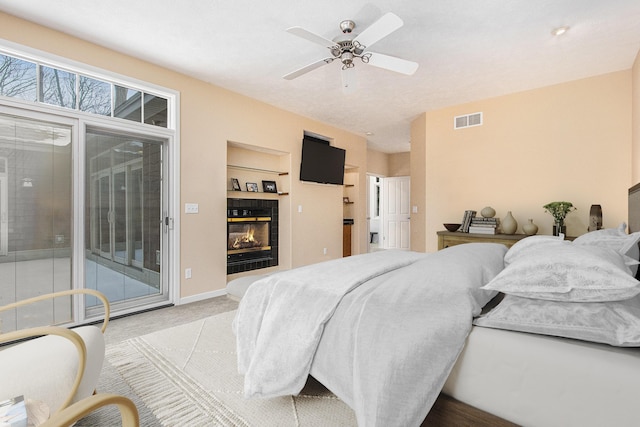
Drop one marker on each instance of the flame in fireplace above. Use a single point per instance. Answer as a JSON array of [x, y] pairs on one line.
[[246, 240]]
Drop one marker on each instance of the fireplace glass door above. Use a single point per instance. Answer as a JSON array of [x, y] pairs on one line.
[[248, 236]]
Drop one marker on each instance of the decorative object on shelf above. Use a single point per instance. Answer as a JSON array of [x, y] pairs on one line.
[[269, 187], [252, 187], [345, 200], [559, 211], [235, 184], [452, 227], [484, 225], [595, 218], [509, 224], [488, 212], [466, 220], [530, 228]]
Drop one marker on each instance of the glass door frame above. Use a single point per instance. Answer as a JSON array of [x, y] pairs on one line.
[[169, 286], [170, 232], [4, 207]]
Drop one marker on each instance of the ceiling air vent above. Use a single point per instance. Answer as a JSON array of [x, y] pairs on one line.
[[467, 120]]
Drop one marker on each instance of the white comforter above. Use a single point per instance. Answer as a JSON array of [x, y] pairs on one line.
[[400, 319]]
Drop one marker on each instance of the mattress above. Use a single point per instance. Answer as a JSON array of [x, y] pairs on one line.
[[536, 380]]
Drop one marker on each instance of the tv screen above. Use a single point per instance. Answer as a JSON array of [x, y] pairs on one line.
[[321, 162]]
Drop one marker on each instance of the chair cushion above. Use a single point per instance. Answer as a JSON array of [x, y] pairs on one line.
[[44, 368]]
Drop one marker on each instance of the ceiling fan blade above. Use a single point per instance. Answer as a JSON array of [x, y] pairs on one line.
[[308, 35], [349, 81], [297, 73], [384, 26], [392, 63]]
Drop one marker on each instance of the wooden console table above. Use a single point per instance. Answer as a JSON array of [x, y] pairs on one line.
[[452, 238]]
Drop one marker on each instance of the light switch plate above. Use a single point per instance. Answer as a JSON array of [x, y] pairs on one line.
[[191, 208]]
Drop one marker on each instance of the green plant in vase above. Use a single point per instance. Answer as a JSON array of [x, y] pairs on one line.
[[559, 211]]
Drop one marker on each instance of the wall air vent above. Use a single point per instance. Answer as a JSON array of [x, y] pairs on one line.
[[468, 120]]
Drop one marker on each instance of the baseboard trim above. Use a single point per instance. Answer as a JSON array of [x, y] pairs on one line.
[[201, 297]]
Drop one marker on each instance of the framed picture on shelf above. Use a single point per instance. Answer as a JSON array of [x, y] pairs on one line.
[[269, 187], [252, 187], [235, 184]]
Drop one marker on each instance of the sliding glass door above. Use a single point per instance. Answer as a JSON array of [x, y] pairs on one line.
[[124, 216], [81, 205], [36, 217]]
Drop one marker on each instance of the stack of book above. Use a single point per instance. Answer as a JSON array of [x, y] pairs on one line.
[[480, 225], [466, 220]]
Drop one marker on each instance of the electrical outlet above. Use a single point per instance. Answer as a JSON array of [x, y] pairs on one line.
[[324, 251], [187, 273]]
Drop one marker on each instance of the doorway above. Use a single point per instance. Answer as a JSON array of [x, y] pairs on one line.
[[124, 214], [388, 212], [79, 210]]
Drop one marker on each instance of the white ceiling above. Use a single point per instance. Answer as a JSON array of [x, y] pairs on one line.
[[466, 49]]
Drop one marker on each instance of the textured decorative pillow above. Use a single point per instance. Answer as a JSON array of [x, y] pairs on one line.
[[524, 246], [616, 239], [567, 272], [615, 323]]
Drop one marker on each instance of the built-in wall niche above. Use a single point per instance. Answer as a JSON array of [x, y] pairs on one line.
[[350, 205], [257, 172]]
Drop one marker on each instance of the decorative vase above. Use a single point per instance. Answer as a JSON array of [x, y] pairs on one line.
[[509, 224], [488, 212], [530, 228], [558, 228], [595, 218]]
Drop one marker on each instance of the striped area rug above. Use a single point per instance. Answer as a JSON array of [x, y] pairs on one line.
[[187, 376]]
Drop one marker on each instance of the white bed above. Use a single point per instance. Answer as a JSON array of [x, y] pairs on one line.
[[537, 380], [495, 376]]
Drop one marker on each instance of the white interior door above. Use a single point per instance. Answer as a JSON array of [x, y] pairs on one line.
[[396, 213]]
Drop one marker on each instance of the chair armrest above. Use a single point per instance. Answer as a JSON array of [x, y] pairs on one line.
[[68, 416], [70, 335], [99, 295]]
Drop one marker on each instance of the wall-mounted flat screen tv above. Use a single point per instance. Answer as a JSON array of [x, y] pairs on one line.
[[321, 162]]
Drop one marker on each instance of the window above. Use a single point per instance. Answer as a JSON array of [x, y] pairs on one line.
[[81, 199], [57, 87], [17, 78], [94, 96], [71, 90]]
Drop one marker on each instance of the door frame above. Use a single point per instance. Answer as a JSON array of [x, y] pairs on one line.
[[170, 187]]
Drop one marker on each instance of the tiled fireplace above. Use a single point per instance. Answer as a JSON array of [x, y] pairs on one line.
[[252, 234]]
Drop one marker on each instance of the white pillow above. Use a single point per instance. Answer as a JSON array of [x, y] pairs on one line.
[[615, 323], [523, 247], [566, 272], [616, 239]]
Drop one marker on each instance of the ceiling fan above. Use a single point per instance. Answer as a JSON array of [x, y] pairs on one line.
[[348, 47]]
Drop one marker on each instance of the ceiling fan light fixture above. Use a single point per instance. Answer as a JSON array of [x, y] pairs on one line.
[[347, 60], [347, 46], [347, 26]]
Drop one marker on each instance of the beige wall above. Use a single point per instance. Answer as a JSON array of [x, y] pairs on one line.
[[635, 152], [565, 142], [400, 164], [388, 164], [377, 163], [209, 117], [417, 161]]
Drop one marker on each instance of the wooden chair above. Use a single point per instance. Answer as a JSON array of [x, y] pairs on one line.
[[55, 365], [71, 414]]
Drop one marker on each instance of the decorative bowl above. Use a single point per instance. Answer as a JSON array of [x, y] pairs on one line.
[[452, 227]]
